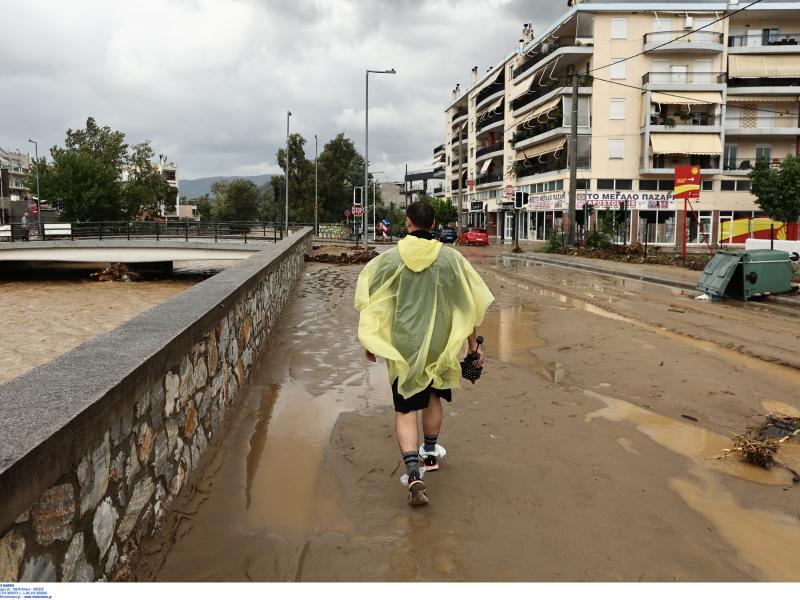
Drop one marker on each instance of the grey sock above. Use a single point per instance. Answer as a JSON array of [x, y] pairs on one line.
[[430, 442], [411, 459]]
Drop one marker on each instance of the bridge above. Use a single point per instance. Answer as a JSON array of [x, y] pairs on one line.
[[134, 242]]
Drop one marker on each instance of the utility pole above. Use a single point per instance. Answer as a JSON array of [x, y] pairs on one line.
[[460, 174], [573, 163], [288, 114], [366, 147], [316, 185], [38, 195]]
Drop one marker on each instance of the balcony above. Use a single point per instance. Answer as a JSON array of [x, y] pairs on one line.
[[742, 166], [438, 150], [455, 140], [679, 80], [579, 48], [488, 179], [664, 164], [539, 166], [489, 150], [768, 128], [490, 122], [765, 85], [765, 42], [681, 121], [455, 162], [490, 92], [537, 94], [677, 42], [438, 190], [459, 117]]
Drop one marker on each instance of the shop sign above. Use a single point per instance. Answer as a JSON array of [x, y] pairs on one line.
[[606, 199], [476, 206]]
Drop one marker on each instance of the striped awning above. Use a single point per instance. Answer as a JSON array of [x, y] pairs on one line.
[[493, 106], [687, 98], [763, 65], [541, 149], [760, 99]]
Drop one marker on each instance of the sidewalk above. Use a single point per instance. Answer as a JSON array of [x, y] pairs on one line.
[[659, 274]]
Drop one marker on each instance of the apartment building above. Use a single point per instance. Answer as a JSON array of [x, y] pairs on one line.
[[720, 98], [14, 167]]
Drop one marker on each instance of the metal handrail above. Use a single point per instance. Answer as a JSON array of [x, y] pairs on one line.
[[489, 149], [694, 36], [779, 39], [687, 77]]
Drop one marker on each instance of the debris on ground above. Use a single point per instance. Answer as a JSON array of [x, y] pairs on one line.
[[760, 445], [339, 255], [116, 272], [637, 253]]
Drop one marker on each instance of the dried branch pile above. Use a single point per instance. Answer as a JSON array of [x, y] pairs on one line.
[[344, 258], [760, 445], [116, 272]]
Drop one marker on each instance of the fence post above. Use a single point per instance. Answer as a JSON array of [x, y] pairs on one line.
[[215, 230], [186, 231], [157, 233], [100, 230], [246, 227], [772, 236]]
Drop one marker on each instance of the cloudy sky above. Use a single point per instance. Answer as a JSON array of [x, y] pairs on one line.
[[208, 82]]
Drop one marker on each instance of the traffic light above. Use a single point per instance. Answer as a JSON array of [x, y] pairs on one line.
[[358, 196], [589, 208], [520, 200]]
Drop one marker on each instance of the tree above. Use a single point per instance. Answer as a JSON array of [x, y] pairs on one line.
[[777, 191], [146, 189], [444, 212], [301, 182], [204, 207], [237, 200]]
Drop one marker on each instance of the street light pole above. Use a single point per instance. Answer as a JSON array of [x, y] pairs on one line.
[[366, 147], [288, 114], [38, 195], [316, 185]]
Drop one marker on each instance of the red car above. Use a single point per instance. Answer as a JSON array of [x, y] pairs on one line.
[[475, 237]]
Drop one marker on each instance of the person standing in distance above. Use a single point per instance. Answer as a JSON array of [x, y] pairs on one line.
[[419, 302]]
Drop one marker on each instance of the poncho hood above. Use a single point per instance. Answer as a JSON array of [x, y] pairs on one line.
[[418, 254]]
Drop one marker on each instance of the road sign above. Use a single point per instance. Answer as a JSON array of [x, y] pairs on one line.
[[508, 191], [470, 184], [687, 182], [358, 210], [34, 208], [347, 214]]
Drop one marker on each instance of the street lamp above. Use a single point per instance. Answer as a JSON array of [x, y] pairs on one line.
[[316, 185], [38, 196], [374, 202], [288, 114], [366, 146]]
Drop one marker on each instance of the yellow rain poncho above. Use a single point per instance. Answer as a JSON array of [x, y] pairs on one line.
[[419, 302]]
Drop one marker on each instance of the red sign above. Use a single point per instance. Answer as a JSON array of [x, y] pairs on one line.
[[358, 210], [34, 208], [687, 182], [508, 191], [347, 214], [470, 184]]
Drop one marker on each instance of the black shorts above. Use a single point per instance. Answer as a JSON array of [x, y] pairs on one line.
[[419, 400]]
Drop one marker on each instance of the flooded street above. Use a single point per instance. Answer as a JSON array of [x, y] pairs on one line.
[[48, 314], [589, 450]]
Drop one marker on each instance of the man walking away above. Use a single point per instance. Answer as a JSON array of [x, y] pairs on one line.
[[419, 302]]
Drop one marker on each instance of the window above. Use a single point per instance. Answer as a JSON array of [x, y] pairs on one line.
[[616, 149], [619, 29], [765, 151], [582, 184], [743, 186], [624, 184], [648, 185], [605, 184], [727, 186], [617, 69], [616, 109], [708, 185], [666, 185], [730, 185]]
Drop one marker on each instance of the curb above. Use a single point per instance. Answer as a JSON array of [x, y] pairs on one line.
[[549, 260]]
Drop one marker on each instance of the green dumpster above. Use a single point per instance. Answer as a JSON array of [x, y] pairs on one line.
[[747, 273]]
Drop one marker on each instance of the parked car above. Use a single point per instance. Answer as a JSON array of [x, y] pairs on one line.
[[447, 235], [475, 236]]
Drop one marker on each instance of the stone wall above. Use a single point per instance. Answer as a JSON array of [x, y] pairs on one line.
[[98, 442]]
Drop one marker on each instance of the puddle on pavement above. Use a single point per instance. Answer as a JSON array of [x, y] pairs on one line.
[[765, 539], [509, 334], [692, 441]]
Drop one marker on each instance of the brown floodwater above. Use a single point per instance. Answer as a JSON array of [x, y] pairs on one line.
[[49, 313]]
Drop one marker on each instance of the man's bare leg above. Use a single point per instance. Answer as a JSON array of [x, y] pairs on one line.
[[405, 426], [431, 426]]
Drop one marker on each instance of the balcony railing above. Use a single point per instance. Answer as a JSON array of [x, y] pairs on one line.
[[669, 161], [747, 164], [538, 91], [438, 149], [535, 129], [682, 120], [764, 39], [537, 167], [489, 149], [699, 77], [489, 178], [490, 120], [665, 37], [763, 82], [438, 189], [489, 90], [455, 162], [455, 138], [460, 113], [544, 50]]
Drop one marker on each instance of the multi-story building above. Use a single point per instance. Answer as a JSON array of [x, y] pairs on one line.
[[14, 167], [170, 172], [661, 84]]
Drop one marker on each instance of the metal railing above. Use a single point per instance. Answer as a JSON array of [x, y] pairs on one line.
[[537, 167], [489, 149], [747, 164], [463, 138], [489, 90], [698, 77], [545, 49], [670, 161], [245, 231], [694, 120], [490, 120], [438, 149], [527, 132], [460, 113], [763, 39], [665, 37], [489, 178]]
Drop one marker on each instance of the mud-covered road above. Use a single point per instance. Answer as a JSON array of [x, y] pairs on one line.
[[585, 452]]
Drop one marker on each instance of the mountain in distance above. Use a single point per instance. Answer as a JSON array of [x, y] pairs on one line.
[[195, 188]]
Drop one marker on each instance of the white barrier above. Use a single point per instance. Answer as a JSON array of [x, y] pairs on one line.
[[60, 229], [5, 232], [753, 244]]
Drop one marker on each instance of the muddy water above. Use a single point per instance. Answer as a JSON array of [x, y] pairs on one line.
[[50, 313], [263, 495]]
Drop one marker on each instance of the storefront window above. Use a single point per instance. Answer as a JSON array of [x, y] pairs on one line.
[[699, 225], [657, 226]]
